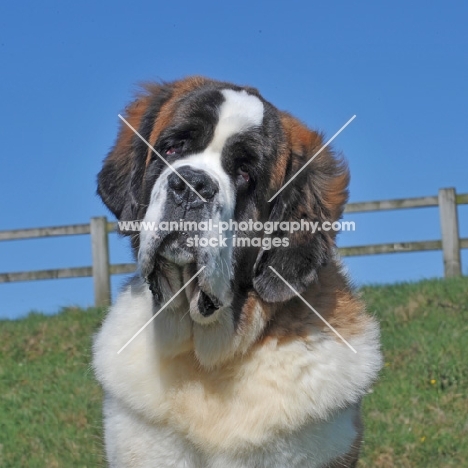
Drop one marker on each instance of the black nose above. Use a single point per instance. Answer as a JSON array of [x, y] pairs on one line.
[[205, 186]]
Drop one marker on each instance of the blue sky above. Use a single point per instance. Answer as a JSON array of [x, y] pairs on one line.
[[68, 69]]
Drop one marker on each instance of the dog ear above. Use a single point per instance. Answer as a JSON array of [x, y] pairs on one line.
[[317, 194], [121, 177]]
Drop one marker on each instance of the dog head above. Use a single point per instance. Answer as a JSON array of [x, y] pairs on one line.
[[202, 151]]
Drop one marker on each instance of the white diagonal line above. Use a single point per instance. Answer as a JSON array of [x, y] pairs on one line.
[[312, 158], [161, 309], [312, 309], [159, 156]]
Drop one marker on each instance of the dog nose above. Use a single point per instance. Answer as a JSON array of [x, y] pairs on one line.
[[198, 179]]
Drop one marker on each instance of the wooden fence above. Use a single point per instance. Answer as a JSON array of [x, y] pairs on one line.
[[101, 269]]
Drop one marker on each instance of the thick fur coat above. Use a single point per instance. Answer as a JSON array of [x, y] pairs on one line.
[[237, 371]]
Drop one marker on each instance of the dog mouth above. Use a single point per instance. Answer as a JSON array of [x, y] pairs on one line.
[[207, 304], [168, 278]]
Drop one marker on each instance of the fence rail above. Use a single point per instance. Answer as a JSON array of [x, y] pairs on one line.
[[101, 269]]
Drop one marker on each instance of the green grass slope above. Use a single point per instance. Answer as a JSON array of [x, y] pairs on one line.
[[416, 415], [49, 404]]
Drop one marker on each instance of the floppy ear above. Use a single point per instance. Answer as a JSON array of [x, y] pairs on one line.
[[121, 177], [317, 194]]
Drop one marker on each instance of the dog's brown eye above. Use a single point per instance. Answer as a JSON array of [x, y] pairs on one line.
[[175, 149], [243, 171]]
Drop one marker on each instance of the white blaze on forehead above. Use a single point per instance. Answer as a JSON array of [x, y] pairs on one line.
[[239, 112]]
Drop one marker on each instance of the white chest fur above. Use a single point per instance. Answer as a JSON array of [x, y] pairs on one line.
[[281, 400], [133, 442]]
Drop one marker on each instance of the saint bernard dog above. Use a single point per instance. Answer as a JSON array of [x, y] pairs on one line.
[[235, 370]]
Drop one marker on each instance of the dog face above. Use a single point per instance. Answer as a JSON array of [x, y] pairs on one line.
[[223, 152]]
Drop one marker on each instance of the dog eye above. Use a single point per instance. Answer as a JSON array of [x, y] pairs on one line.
[[243, 171], [176, 148]]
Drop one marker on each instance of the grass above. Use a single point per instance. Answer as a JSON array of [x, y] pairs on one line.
[[416, 415], [50, 406]]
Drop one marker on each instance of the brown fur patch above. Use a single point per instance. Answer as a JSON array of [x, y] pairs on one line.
[[332, 297], [113, 180], [133, 114], [280, 167], [305, 143], [301, 140], [337, 194], [252, 304], [166, 112]]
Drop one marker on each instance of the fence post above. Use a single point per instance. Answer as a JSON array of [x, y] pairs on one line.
[[101, 270], [450, 237]]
